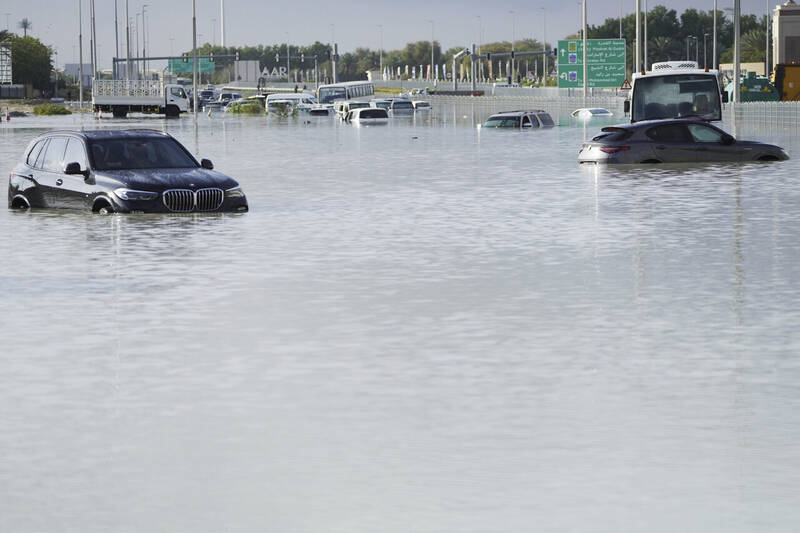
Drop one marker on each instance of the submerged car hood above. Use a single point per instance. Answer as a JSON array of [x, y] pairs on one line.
[[159, 179]]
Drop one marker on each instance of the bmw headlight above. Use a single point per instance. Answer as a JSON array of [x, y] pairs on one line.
[[130, 194], [234, 192]]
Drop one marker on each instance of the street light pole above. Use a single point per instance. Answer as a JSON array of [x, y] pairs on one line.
[[638, 36], [144, 40], [737, 15], [80, 54], [513, 38], [480, 29], [544, 47], [766, 44], [380, 27], [714, 44], [116, 42], [194, 60], [585, 69], [432, 63], [128, 70], [705, 60]]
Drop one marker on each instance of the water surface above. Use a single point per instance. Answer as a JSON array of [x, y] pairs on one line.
[[418, 327]]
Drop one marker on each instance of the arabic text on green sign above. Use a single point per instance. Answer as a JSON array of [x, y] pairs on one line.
[[606, 65], [178, 66]]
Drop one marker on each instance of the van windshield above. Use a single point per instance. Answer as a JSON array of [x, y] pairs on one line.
[[675, 96], [143, 152]]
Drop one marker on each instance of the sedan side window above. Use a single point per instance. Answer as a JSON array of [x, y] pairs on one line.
[[704, 134], [670, 133], [75, 153], [54, 158]]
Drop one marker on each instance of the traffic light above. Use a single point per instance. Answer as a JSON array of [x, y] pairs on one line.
[[211, 58], [512, 54], [555, 52], [237, 55], [185, 58], [277, 58], [488, 56], [302, 58]]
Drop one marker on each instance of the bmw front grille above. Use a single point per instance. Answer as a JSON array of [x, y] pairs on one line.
[[186, 200]]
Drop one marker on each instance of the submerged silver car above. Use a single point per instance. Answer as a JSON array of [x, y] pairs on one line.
[[673, 141]]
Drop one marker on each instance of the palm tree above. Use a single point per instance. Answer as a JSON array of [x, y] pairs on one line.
[[25, 24], [660, 48]]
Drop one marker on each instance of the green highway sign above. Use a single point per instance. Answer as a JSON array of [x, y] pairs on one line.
[[606, 65], [177, 66]]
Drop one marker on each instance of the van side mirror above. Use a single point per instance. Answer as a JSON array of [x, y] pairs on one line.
[[207, 164], [724, 97], [626, 106]]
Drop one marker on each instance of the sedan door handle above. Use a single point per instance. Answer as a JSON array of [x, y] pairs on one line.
[[59, 181]]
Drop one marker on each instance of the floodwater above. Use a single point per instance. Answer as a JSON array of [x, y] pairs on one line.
[[418, 327]]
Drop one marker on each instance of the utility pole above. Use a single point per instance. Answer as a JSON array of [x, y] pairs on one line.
[[737, 57], [222, 21], [638, 38], [194, 60], [585, 58], [714, 44], [288, 77], [544, 47], [766, 45], [705, 59], [644, 41], [513, 38], [92, 41], [80, 54], [432, 63], [620, 19], [116, 42], [144, 41], [380, 27], [480, 29], [128, 69]]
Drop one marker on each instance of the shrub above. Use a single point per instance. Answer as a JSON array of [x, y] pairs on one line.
[[50, 109], [247, 108]]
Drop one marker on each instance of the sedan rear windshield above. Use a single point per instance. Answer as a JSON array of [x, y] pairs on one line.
[[125, 154]]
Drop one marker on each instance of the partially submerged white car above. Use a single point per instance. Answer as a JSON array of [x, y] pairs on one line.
[[588, 113]]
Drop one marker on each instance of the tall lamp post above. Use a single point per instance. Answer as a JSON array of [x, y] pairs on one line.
[[544, 47], [513, 38], [380, 27], [480, 30], [705, 59], [714, 38], [432, 63]]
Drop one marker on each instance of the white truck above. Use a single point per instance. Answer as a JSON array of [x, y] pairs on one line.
[[121, 97], [676, 89]]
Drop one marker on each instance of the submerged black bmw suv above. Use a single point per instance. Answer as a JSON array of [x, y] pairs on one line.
[[123, 171]]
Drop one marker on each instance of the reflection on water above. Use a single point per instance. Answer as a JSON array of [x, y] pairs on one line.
[[424, 326]]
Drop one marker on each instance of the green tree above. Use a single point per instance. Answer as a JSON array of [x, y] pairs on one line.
[[31, 62]]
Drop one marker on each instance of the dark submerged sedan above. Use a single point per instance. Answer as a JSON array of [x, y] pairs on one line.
[[673, 141], [123, 171]]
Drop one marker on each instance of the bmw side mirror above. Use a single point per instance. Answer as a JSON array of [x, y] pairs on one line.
[[626, 106], [728, 140], [74, 168], [207, 164], [725, 97]]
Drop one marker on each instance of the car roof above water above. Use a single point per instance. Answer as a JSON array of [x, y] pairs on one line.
[[109, 134]]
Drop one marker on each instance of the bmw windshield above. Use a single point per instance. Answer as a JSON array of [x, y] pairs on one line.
[[136, 153]]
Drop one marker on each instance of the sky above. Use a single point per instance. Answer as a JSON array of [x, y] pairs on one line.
[[352, 24]]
